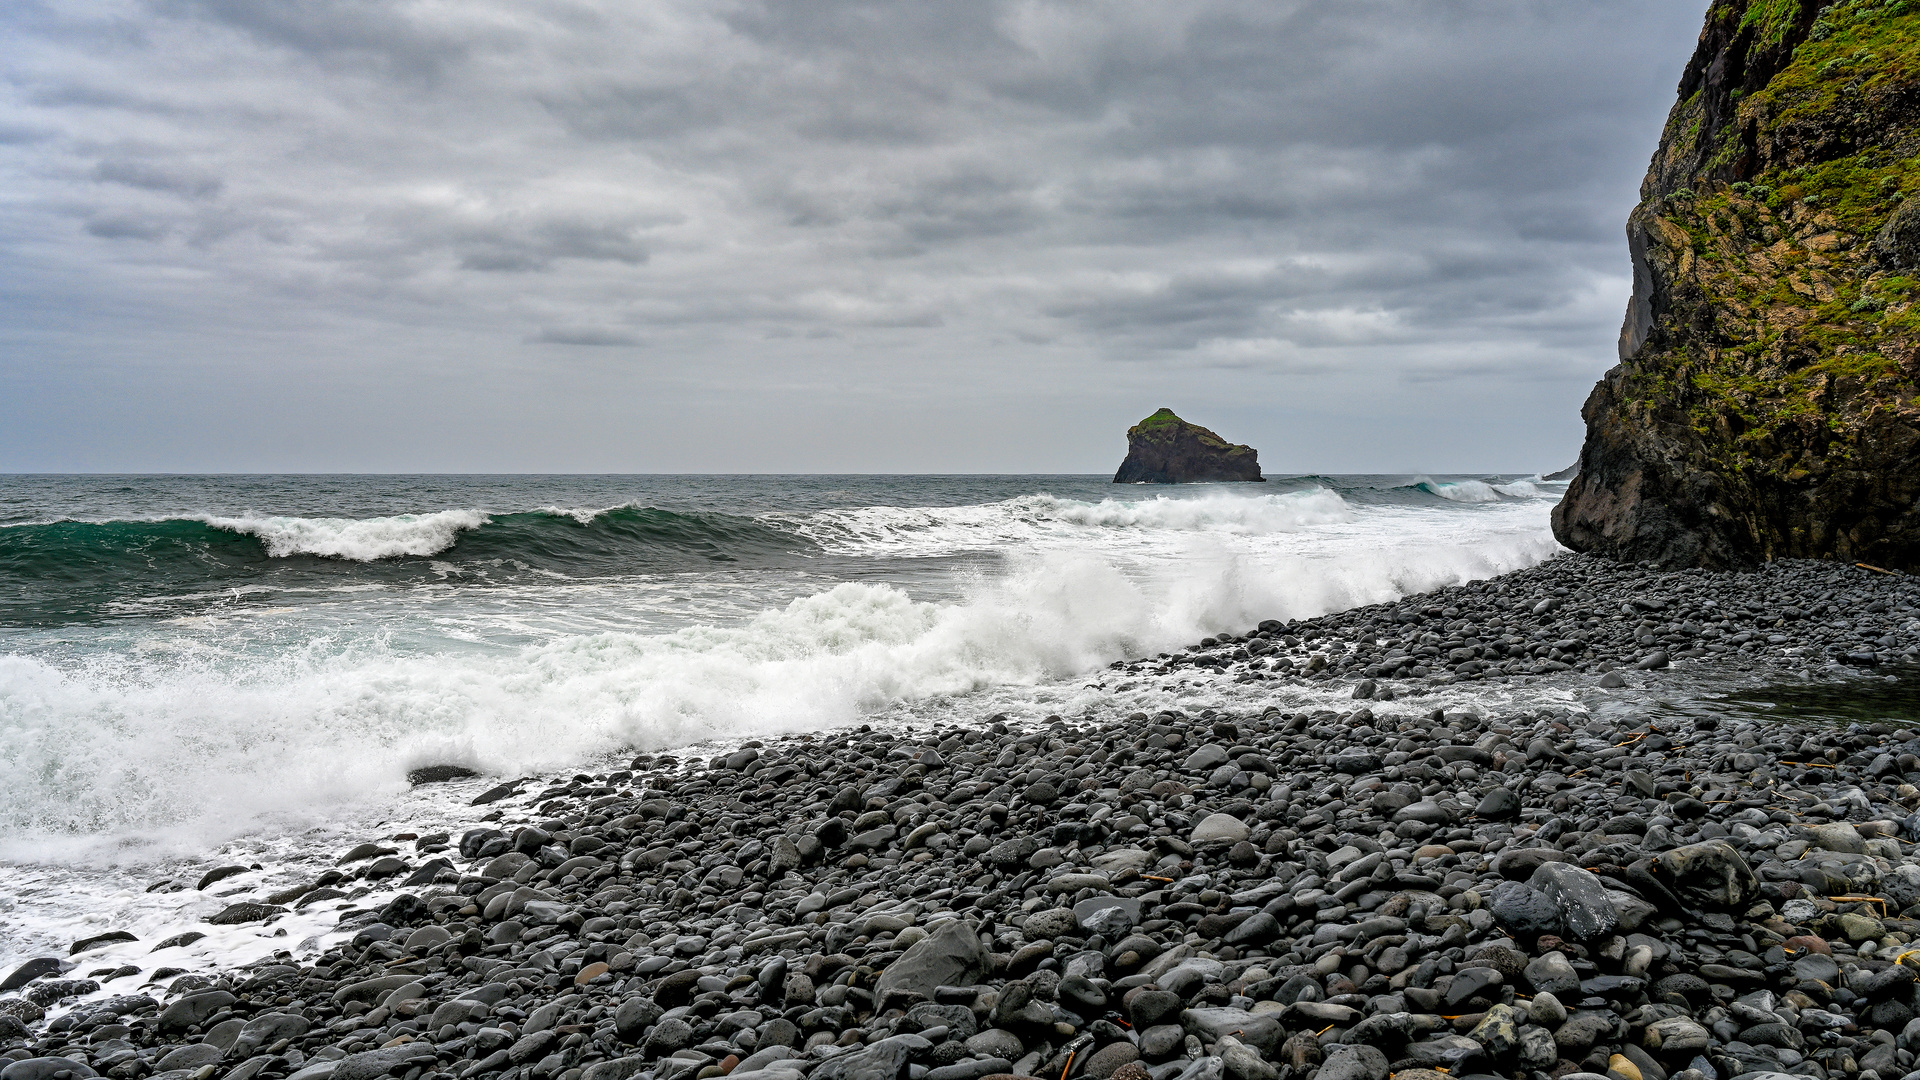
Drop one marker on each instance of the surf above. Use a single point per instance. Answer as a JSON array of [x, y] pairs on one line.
[[206, 731], [76, 570]]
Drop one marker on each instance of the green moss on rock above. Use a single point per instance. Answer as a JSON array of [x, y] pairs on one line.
[[1765, 403]]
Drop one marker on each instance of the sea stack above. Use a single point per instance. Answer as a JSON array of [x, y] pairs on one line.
[[1764, 405], [1164, 449]]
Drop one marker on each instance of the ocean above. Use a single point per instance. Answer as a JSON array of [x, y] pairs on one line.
[[245, 668]]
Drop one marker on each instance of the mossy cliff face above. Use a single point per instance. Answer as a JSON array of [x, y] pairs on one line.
[[1764, 406], [1164, 449]]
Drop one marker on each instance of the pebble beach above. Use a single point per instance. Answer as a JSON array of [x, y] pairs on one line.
[[1392, 884]]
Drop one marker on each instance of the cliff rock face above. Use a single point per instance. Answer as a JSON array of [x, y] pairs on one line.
[[1164, 449], [1764, 405]]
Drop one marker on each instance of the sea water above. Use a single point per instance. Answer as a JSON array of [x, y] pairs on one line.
[[196, 670]]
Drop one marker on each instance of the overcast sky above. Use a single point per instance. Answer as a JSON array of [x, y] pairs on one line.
[[814, 236]]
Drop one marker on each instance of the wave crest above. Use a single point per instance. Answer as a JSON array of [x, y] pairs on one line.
[[1481, 491], [355, 539], [1520, 489], [1047, 519], [68, 571]]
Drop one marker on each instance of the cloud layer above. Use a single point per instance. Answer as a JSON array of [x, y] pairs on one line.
[[677, 234]]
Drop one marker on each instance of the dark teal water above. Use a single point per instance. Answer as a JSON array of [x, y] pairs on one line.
[[75, 549]]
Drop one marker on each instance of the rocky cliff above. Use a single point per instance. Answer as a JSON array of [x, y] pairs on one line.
[[1764, 405], [1164, 449]]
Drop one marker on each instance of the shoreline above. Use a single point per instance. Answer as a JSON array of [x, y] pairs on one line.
[[1556, 617], [960, 895]]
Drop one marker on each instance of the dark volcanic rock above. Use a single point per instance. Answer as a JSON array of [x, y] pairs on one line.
[[46, 1068], [194, 1009], [243, 912], [438, 774], [1164, 449], [97, 940], [1524, 910], [29, 971], [1711, 874], [950, 956], [1585, 909], [1765, 402]]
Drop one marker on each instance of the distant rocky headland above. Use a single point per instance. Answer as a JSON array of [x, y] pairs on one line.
[[1164, 449], [1764, 405]]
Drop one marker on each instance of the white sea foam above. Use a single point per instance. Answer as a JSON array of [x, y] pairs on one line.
[[1045, 520], [355, 539], [189, 744], [1463, 491], [581, 515], [1481, 491], [258, 729]]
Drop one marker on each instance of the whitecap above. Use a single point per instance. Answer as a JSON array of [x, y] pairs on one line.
[[355, 539], [1463, 491]]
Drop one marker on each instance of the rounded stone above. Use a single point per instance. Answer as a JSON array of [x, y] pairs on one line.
[[1218, 830]]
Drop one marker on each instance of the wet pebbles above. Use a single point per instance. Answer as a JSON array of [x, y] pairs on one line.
[[1581, 614], [1396, 887]]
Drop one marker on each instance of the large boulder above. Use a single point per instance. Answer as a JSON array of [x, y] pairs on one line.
[[1525, 911], [193, 1009], [29, 971], [374, 1064], [949, 956], [46, 1068], [884, 1060], [265, 1030], [244, 912], [1709, 875], [1219, 830], [1585, 909], [1261, 1031]]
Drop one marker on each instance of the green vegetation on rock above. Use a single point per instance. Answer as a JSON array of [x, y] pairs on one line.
[[1770, 20], [1809, 310], [1163, 425], [1163, 418], [1770, 333]]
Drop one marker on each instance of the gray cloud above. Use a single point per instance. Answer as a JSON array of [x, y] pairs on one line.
[[139, 174], [513, 245], [1292, 206], [125, 227], [584, 335], [20, 133], [375, 33], [80, 96]]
